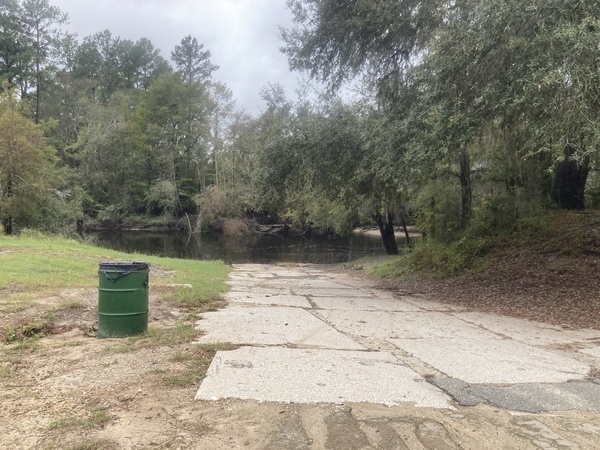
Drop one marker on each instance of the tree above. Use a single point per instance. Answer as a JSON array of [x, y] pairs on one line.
[[380, 40], [41, 21], [191, 61], [336, 41], [113, 64], [26, 165], [172, 120], [139, 63], [223, 109], [305, 172], [14, 53], [529, 70]]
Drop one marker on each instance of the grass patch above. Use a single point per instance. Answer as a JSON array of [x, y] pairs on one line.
[[392, 266], [447, 260], [33, 263], [16, 305], [97, 417], [26, 346], [438, 260], [217, 347], [93, 444], [71, 303], [24, 332], [191, 376], [181, 333], [195, 361]]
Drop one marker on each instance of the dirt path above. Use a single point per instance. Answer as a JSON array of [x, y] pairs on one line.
[[73, 391]]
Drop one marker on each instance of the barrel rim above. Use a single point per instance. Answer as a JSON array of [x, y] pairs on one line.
[[124, 265]]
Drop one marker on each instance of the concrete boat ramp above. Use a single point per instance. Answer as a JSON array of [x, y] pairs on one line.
[[310, 336]]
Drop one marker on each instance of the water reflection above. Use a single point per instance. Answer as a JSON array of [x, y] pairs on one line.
[[243, 248]]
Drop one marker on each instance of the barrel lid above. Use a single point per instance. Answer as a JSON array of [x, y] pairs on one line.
[[124, 266]]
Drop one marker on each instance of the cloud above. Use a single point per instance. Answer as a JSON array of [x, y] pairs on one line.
[[242, 35]]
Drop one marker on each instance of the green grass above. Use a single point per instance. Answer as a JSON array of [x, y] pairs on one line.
[[43, 264], [71, 303], [34, 266], [195, 360], [180, 334]]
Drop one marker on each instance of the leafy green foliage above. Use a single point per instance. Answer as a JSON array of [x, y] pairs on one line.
[[469, 115], [26, 165]]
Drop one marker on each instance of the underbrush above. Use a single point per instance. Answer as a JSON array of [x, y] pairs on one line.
[[564, 233]]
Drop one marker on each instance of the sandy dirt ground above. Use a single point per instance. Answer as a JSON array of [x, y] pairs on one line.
[[70, 390]]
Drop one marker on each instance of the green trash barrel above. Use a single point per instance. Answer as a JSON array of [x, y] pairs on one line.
[[122, 299]]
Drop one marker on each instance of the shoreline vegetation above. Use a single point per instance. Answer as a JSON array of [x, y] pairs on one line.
[[229, 226]]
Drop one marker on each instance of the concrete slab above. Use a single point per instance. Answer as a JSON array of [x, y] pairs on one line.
[[245, 278], [481, 360], [316, 376], [404, 325], [253, 267], [366, 303], [242, 284], [303, 283], [295, 301], [429, 305], [255, 288], [532, 333], [319, 292], [271, 325], [307, 331], [594, 351]]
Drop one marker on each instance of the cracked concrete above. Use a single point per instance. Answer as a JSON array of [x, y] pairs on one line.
[[309, 336]]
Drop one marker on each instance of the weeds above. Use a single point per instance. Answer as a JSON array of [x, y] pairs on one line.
[[187, 298], [95, 444], [6, 372], [24, 332], [71, 303], [181, 333], [217, 347], [196, 360], [97, 417]]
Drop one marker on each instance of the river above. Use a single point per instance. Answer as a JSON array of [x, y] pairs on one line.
[[243, 248]]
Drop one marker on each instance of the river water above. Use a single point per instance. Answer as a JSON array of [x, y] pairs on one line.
[[243, 248]]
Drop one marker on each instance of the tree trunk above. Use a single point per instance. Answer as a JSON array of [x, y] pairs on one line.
[[7, 224], [405, 230], [37, 92], [465, 188], [569, 182], [387, 233]]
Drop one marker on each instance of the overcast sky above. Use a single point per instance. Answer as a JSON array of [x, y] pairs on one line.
[[242, 35]]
